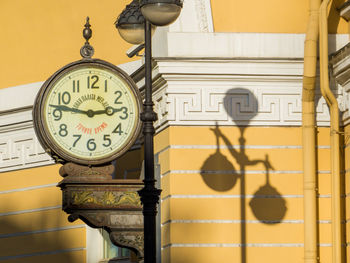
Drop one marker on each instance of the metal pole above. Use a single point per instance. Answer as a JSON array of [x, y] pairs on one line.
[[149, 194]]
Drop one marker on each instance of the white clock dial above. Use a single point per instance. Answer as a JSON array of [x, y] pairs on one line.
[[90, 113]]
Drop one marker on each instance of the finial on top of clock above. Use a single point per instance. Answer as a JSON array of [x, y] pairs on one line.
[[87, 51]]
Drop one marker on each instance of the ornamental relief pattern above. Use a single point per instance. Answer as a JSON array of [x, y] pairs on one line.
[[21, 149], [106, 198], [202, 15], [231, 104]]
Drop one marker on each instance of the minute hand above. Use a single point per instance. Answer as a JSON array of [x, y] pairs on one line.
[[66, 108]]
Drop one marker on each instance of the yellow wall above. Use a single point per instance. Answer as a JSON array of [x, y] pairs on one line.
[[40, 36], [347, 185], [32, 221], [202, 210], [272, 16]]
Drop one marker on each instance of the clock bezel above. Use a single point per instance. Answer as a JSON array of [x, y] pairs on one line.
[[49, 144]]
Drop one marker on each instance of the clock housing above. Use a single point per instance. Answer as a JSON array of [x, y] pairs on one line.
[[87, 113]]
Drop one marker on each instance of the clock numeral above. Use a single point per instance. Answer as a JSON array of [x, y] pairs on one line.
[[94, 80], [78, 136], [63, 130], [125, 111], [119, 94], [76, 86], [57, 114], [91, 145], [107, 139], [63, 97], [105, 85], [118, 129]]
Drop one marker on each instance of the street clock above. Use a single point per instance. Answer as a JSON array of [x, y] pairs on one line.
[[87, 112]]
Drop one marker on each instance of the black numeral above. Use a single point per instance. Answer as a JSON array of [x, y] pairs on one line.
[[125, 111], [63, 130], [105, 85], [76, 86], [119, 94], [107, 139], [57, 114], [91, 145], [118, 129], [64, 98], [94, 80], [78, 136]]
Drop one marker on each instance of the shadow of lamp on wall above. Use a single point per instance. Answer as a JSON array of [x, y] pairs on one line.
[[267, 205], [217, 171]]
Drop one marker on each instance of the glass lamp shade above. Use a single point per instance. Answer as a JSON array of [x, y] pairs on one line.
[[161, 14], [132, 33]]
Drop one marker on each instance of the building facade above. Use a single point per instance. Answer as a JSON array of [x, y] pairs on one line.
[[227, 82]]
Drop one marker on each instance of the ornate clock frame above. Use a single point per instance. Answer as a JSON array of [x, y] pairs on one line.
[[38, 114]]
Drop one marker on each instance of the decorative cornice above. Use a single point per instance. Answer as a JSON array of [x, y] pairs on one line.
[[340, 65], [204, 17], [231, 92], [19, 146], [345, 11]]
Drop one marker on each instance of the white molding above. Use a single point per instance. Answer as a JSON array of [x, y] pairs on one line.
[[189, 92], [19, 146], [340, 62], [20, 149], [196, 16], [94, 245], [204, 15], [236, 45], [345, 11], [24, 94]]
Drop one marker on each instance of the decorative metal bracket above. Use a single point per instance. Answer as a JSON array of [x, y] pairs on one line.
[[87, 51], [90, 193]]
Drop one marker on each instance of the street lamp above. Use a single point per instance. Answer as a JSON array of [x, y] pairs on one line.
[[159, 12], [131, 24]]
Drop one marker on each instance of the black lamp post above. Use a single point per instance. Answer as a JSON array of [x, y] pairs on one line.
[[129, 25]]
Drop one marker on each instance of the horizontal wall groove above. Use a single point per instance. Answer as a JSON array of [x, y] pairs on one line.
[[31, 210], [238, 172], [219, 221], [238, 245], [235, 196], [44, 253], [28, 188], [257, 147], [41, 231]]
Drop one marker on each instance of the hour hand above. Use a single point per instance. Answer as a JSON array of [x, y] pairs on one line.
[[108, 110], [66, 108]]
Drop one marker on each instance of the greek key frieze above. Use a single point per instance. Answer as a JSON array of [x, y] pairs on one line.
[[20, 150], [230, 105]]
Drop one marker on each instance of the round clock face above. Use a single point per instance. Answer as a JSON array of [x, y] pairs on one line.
[[89, 113]]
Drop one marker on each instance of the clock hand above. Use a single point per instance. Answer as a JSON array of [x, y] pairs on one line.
[[109, 111], [66, 108]]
